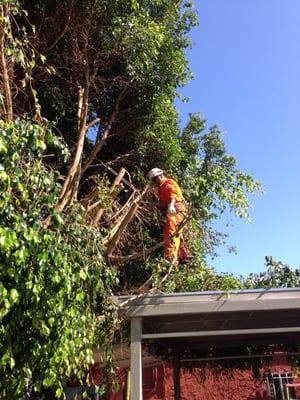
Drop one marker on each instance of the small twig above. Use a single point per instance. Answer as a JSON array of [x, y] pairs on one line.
[[113, 171], [121, 210]]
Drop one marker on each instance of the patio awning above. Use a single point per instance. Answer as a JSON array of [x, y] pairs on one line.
[[225, 318], [186, 321]]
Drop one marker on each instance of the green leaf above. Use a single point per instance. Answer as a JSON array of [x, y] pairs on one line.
[[14, 295], [3, 148], [83, 275], [59, 393]]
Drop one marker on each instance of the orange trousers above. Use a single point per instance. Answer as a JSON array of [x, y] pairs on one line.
[[171, 225]]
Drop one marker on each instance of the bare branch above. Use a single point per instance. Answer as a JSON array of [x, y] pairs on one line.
[[126, 220], [113, 171], [8, 108], [63, 31], [92, 123], [121, 211], [100, 143], [79, 107], [82, 112], [70, 185]]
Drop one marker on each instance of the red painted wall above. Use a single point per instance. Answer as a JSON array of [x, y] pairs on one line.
[[203, 383]]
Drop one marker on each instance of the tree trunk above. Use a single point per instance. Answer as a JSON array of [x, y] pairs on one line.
[[69, 188]]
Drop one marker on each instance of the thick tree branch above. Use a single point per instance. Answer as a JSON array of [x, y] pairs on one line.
[[126, 220], [92, 123], [82, 113], [70, 185]]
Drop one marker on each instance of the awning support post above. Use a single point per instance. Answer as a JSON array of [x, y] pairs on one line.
[[176, 375], [136, 359]]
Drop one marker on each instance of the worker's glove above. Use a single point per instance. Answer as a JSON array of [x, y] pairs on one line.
[[171, 209]]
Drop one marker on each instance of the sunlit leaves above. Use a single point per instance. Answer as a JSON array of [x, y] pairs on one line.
[[277, 275], [53, 282]]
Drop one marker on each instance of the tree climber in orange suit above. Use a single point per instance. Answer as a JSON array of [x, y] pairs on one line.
[[173, 207]]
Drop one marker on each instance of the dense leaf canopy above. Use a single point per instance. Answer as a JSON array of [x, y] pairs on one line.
[[88, 95], [54, 283]]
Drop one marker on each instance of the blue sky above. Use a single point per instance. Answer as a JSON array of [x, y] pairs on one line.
[[246, 65]]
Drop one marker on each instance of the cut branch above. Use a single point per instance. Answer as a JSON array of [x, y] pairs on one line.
[[114, 240]]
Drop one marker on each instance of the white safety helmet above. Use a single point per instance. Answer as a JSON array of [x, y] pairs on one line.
[[155, 172]]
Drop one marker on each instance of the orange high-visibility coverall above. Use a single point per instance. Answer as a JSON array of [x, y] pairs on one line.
[[168, 190]]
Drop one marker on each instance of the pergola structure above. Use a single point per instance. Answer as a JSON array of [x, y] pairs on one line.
[[185, 321]]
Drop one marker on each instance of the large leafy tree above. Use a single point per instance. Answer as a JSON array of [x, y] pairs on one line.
[[102, 76]]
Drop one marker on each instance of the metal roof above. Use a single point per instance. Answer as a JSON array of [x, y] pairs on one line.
[[201, 319]]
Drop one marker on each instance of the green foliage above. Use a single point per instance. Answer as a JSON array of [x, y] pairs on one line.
[[136, 43], [277, 275], [211, 182], [193, 277], [211, 177], [158, 142], [19, 52], [53, 283]]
